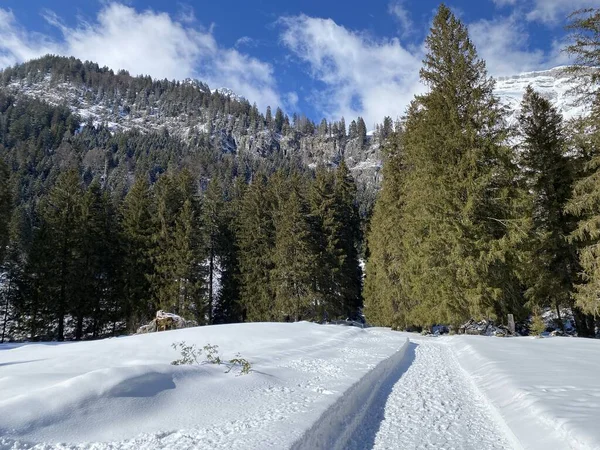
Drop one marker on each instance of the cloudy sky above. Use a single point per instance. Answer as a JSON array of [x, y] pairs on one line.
[[319, 57]]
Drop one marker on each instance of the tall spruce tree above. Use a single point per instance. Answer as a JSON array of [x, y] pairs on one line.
[[549, 179], [293, 253], [256, 233], [136, 243], [62, 212], [456, 191], [326, 229], [386, 304], [177, 277], [228, 308], [585, 201], [348, 220], [5, 207], [212, 224]]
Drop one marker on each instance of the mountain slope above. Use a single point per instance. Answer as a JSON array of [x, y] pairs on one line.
[[190, 111]]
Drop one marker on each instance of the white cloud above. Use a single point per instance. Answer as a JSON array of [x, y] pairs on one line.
[[554, 11], [16, 44], [361, 76], [396, 8], [145, 42], [504, 44], [549, 12]]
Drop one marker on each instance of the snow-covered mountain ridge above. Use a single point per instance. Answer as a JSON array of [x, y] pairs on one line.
[[554, 84], [122, 110]]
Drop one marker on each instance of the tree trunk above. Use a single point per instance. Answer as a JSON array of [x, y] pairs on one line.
[[211, 269], [5, 319], [560, 321], [79, 328], [61, 327]]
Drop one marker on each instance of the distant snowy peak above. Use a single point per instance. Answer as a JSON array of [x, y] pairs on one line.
[[554, 84], [229, 93]]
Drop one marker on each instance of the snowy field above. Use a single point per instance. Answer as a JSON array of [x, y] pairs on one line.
[[312, 387]]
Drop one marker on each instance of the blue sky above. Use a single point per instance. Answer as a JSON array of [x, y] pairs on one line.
[[321, 58]]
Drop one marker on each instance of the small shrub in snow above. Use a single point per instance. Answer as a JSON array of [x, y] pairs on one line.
[[212, 354], [190, 355], [538, 326], [246, 367]]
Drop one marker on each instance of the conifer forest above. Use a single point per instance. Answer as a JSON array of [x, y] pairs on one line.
[[473, 216]]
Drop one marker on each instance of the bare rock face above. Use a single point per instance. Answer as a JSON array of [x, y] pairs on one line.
[[166, 321]]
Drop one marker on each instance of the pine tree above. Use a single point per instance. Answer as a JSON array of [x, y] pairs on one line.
[[37, 306], [176, 254], [269, 118], [456, 189], [228, 308], [387, 128], [62, 214], [386, 303], [212, 210], [584, 205], [585, 48], [293, 253], [279, 120], [361, 131], [98, 287], [350, 273], [327, 229], [549, 179], [256, 242], [5, 207], [136, 241]]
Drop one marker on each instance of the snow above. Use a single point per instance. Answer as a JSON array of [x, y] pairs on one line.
[[434, 405], [123, 392], [312, 387], [546, 390], [553, 84]]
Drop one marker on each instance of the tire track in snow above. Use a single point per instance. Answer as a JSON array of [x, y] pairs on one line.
[[434, 405]]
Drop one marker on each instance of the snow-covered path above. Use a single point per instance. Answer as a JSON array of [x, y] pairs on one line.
[[435, 405]]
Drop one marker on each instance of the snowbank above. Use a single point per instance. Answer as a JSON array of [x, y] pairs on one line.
[[124, 393], [546, 390], [337, 428]]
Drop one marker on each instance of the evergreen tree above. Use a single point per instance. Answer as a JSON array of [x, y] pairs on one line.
[[350, 273], [548, 175], [212, 210], [585, 48], [456, 190], [342, 128], [177, 256], [326, 229], [361, 131], [256, 242], [279, 120], [37, 306], [98, 289], [584, 205], [386, 303], [228, 308], [387, 128], [352, 130], [269, 118], [62, 214], [5, 207], [136, 240], [293, 254]]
